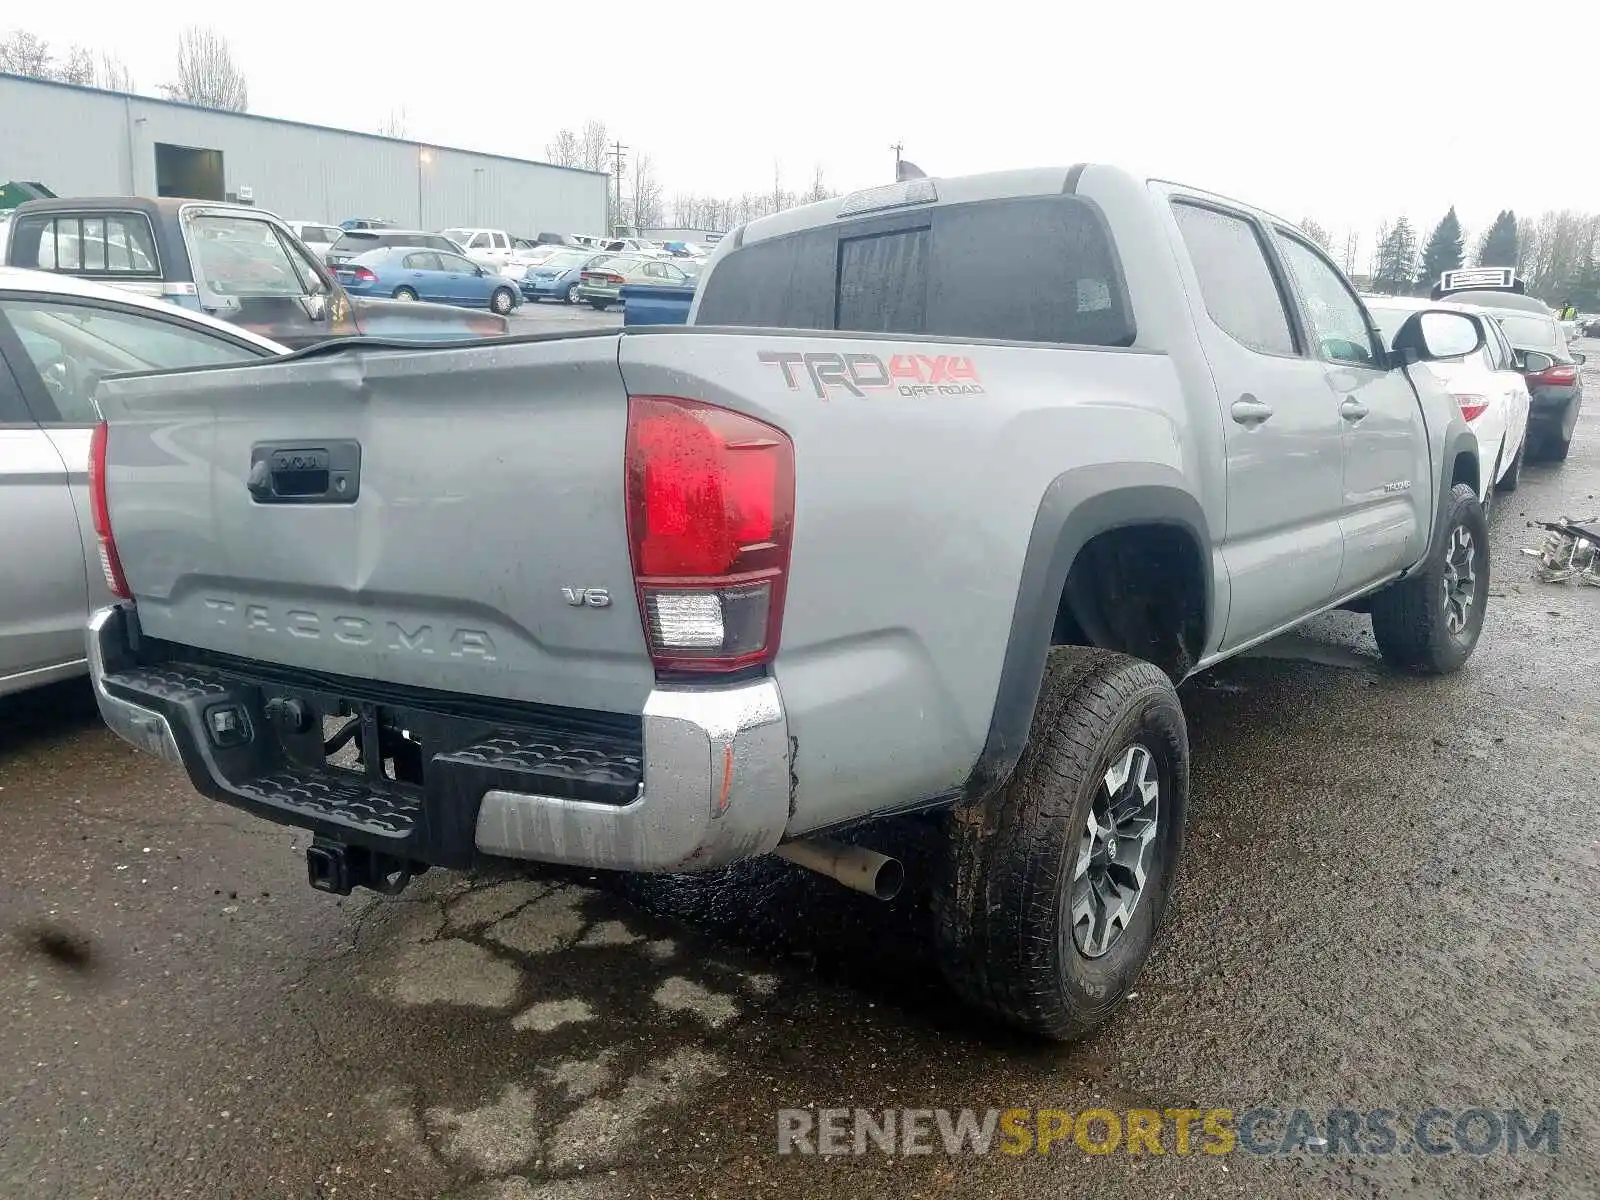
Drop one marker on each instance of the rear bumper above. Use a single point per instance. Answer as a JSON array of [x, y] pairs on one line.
[[1551, 405], [704, 782]]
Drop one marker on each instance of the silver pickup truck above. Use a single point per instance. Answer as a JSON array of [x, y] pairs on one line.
[[942, 489]]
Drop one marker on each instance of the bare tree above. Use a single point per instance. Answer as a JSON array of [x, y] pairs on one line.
[[207, 74], [24, 53], [394, 125], [594, 146], [819, 189], [111, 73], [1352, 247], [565, 151], [77, 67], [646, 209], [1314, 230]]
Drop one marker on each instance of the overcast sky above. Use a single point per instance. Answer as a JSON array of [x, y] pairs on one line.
[[1330, 111]]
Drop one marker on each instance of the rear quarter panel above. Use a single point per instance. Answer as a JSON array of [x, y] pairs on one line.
[[915, 504]]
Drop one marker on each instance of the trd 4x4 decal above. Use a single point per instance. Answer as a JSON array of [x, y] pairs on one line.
[[858, 374]]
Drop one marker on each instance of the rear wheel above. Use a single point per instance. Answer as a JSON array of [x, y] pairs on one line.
[[1430, 622], [1057, 880], [404, 293], [502, 301]]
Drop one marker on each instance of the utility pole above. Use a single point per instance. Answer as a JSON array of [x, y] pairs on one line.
[[619, 155]]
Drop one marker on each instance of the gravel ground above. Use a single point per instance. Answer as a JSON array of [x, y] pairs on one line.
[[1387, 901]]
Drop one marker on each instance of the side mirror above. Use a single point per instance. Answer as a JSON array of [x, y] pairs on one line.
[[1436, 333], [1579, 357], [1536, 363]]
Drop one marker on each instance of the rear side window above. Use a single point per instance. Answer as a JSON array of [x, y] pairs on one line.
[[1032, 269], [106, 244], [1236, 283], [355, 243]]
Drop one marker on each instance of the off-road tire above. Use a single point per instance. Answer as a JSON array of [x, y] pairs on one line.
[[1409, 616], [1001, 911]]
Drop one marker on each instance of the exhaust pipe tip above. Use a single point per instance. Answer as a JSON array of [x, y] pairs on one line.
[[862, 870]]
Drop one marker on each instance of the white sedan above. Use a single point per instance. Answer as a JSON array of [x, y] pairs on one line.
[[1492, 393], [58, 337]]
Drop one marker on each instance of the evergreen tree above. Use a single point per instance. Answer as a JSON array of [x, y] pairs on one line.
[[1396, 269], [1444, 251], [1499, 245]]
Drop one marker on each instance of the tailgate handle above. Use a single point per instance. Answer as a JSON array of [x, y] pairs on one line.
[[295, 473]]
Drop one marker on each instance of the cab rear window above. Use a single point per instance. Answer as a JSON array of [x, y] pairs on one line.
[[1032, 269], [100, 244]]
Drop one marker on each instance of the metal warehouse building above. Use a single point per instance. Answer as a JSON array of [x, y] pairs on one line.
[[81, 141]]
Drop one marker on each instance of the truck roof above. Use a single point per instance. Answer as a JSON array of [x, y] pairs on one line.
[[956, 189]]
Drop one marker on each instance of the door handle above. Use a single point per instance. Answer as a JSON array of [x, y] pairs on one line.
[[1352, 409], [1247, 410], [291, 473]]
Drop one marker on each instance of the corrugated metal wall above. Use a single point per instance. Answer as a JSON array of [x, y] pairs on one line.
[[77, 141]]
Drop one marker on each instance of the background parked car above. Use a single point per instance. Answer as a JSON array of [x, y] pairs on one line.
[[525, 257], [1486, 384], [359, 241], [58, 337], [487, 247], [1555, 380], [238, 263], [558, 276], [317, 236], [407, 273], [368, 223], [601, 283]]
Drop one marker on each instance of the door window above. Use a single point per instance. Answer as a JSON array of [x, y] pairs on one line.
[[454, 262], [1338, 322], [500, 242], [1236, 281], [480, 241], [422, 260], [242, 256], [72, 346]]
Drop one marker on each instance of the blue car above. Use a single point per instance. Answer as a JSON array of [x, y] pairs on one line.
[[410, 273], [556, 278]]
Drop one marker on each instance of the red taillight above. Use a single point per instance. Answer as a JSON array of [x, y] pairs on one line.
[[1561, 373], [710, 514], [109, 562], [363, 274], [1472, 407]]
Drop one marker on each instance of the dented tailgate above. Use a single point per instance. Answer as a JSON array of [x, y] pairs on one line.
[[443, 518]]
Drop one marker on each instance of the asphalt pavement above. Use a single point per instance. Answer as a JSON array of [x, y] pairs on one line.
[[1388, 902]]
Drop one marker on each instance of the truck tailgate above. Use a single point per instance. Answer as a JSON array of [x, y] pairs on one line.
[[424, 517]]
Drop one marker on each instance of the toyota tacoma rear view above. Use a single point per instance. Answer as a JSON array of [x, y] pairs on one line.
[[941, 490]]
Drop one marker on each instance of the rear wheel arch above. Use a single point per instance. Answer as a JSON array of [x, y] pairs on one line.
[[1083, 514]]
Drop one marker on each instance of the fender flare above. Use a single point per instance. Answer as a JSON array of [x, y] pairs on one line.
[[1077, 506], [1458, 439]]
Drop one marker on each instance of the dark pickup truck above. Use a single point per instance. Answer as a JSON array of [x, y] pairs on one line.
[[232, 261]]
